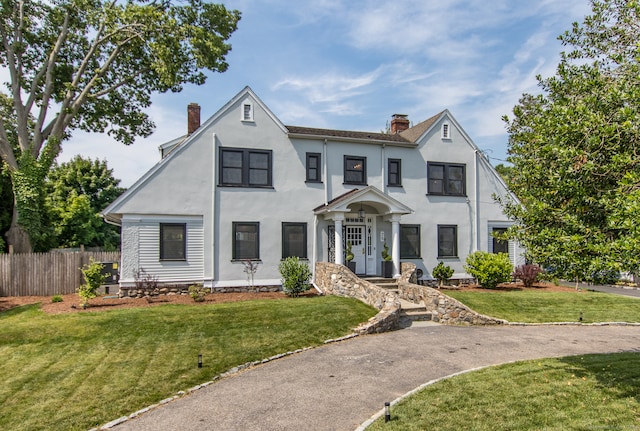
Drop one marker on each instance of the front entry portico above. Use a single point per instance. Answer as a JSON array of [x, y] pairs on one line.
[[367, 219]]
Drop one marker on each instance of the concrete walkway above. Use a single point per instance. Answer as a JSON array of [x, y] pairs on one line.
[[338, 386]]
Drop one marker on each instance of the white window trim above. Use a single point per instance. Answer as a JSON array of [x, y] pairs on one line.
[[242, 112], [446, 135]]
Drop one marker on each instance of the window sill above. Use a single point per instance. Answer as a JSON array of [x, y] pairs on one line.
[[313, 182], [448, 258], [238, 186], [248, 121], [446, 195], [355, 184], [411, 257], [173, 260], [258, 260], [395, 185]]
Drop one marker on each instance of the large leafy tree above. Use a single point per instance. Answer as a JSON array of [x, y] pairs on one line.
[[575, 150], [76, 192], [92, 65]]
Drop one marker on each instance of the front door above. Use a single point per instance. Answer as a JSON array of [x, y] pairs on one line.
[[355, 235]]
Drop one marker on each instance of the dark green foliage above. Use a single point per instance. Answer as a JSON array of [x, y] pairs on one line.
[[76, 192], [442, 273], [93, 65], [575, 151], [490, 269], [295, 276]]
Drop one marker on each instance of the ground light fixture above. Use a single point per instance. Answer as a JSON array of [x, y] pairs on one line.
[[387, 412], [199, 360]]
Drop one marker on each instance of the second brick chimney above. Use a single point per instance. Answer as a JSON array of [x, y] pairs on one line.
[[399, 123], [193, 117]]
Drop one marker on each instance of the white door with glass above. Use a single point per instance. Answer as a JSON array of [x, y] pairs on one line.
[[355, 236]]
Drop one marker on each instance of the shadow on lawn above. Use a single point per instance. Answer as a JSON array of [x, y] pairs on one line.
[[616, 373], [14, 311]]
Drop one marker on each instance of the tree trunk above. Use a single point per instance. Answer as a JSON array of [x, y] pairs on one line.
[[16, 235]]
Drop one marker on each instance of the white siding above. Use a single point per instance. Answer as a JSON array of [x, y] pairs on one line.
[[190, 270]]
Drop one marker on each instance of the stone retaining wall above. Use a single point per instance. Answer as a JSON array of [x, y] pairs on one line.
[[334, 279], [443, 308], [134, 292]]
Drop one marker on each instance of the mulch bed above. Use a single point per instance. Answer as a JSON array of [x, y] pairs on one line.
[[71, 303]]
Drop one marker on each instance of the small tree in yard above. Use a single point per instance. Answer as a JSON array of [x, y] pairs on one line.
[[490, 269], [93, 278], [295, 276], [442, 273]]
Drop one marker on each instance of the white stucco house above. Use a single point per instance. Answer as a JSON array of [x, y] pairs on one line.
[[244, 186]]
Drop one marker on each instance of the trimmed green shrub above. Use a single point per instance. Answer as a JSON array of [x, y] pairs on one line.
[[442, 273], [348, 253], [56, 298], [197, 292], [385, 253], [489, 269], [93, 278], [295, 276]]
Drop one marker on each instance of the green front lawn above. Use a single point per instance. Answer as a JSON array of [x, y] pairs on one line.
[[585, 392], [539, 306], [77, 371]]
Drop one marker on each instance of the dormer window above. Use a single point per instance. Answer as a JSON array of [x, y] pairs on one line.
[[446, 134], [247, 112]]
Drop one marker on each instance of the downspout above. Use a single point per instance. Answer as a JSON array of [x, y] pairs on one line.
[[382, 169], [324, 172], [314, 253], [214, 218], [477, 198]]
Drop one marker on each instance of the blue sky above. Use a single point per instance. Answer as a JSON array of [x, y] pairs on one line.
[[352, 64]]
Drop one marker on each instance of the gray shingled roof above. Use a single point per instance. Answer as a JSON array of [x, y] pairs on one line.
[[349, 134], [408, 136], [413, 133]]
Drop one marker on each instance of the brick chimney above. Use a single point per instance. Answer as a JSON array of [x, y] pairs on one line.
[[193, 117], [399, 123]]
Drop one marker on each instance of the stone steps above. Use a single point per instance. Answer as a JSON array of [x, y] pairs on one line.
[[409, 310]]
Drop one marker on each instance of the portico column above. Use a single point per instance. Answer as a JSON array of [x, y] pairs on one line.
[[338, 239], [395, 248]]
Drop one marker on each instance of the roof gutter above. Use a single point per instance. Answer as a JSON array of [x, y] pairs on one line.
[[352, 140]]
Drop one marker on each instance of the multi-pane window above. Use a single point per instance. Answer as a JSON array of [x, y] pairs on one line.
[[243, 167], [409, 241], [294, 240], [447, 241], [246, 240], [395, 172], [355, 170], [313, 168], [446, 179], [500, 245], [173, 241]]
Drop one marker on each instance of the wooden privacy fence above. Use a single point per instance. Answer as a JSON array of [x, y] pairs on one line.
[[45, 274]]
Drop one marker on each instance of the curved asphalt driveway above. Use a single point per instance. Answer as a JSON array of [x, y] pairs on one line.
[[340, 385]]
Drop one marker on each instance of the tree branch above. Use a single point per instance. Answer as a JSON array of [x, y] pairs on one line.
[[48, 88]]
